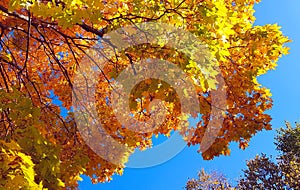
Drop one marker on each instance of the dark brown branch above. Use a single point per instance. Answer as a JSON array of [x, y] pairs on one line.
[[4, 78], [27, 45]]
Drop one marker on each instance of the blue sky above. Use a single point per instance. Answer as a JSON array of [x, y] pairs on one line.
[[283, 83]]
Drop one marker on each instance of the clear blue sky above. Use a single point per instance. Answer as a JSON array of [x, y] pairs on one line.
[[283, 83]]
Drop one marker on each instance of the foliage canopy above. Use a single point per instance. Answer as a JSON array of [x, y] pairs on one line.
[[43, 42]]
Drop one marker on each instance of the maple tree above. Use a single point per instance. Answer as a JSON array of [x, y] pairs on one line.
[[43, 45]]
